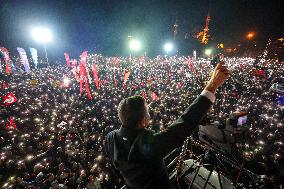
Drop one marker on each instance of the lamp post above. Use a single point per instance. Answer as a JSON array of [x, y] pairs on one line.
[[208, 52], [250, 36], [168, 47], [134, 45], [42, 35]]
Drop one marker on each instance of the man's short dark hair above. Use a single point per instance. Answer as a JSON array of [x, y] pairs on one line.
[[131, 111]]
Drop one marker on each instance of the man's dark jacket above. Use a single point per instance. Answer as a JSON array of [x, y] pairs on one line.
[[138, 153]]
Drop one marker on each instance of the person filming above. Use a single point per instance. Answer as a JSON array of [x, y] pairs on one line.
[[137, 153]]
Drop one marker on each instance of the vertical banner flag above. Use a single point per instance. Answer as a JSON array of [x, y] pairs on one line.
[[73, 63], [67, 59], [84, 75], [24, 59], [115, 67], [34, 56], [126, 77], [194, 54], [75, 69], [5, 53], [190, 64], [114, 78], [95, 75]]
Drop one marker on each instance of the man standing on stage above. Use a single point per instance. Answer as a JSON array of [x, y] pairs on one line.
[[137, 153]]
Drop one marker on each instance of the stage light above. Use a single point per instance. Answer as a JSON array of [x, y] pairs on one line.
[[42, 34], [168, 47], [134, 45], [208, 52]]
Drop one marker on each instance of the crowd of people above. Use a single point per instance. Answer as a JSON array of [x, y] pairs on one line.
[[53, 137]]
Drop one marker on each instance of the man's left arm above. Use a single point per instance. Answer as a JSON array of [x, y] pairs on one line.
[[176, 133]]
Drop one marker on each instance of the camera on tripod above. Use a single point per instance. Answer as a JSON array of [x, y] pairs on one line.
[[223, 136]]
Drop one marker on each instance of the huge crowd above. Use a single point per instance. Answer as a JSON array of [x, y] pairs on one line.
[[51, 137]]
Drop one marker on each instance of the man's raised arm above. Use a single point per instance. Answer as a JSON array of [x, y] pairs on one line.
[[176, 133]]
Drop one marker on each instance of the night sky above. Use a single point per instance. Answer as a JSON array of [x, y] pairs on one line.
[[103, 26]]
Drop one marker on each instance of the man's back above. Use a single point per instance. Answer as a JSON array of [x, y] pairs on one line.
[[138, 153], [133, 157]]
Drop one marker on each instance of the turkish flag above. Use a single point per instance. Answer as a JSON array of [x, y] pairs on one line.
[[9, 99], [4, 85], [95, 75], [10, 124], [154, 96]]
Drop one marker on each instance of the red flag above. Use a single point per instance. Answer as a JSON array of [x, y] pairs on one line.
[[75, 69], [259, 73], [144, 94], [179, 85], [67, 59], [7, 59], [9, 99], [126, 77], [154, 96], [84, 76], [73, 63], [84, 58], [4, 85], [190, 64], [114, 79], [10, 124], [95, 75]]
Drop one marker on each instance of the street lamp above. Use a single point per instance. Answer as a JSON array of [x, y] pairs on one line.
[[208, 52], [134, 45], [168, 47], [250, 35], [42, 35], [249, 38]]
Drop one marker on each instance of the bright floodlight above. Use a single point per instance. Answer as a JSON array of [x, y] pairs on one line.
[[134, 45], [168, 47], [208, 52], [42, 34]]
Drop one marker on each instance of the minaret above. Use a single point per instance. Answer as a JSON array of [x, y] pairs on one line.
[[175, 28]]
